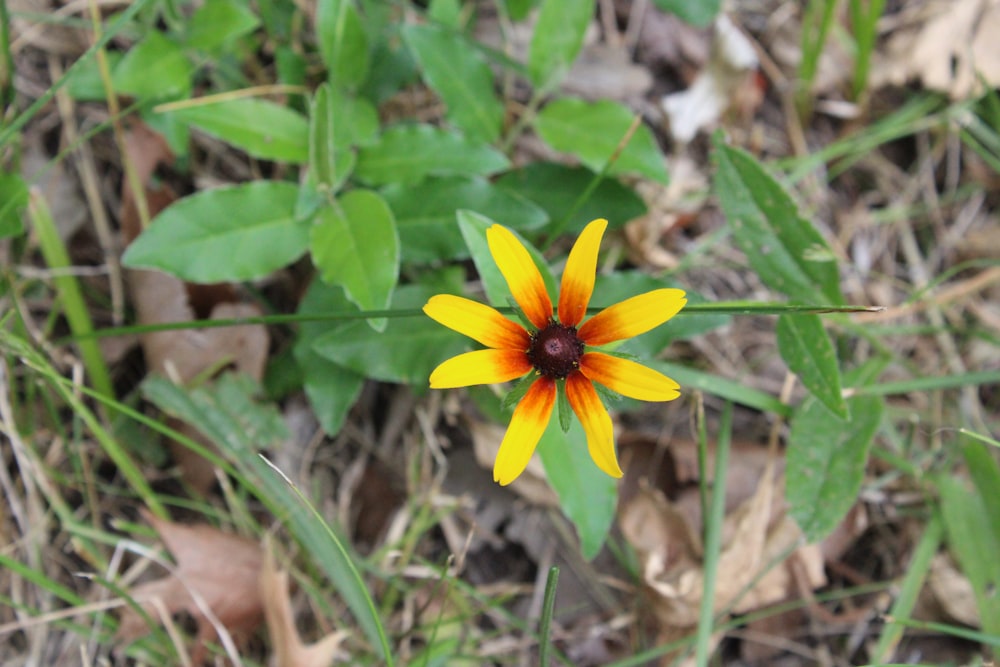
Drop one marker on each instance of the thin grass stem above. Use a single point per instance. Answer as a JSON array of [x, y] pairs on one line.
[[548, 607]]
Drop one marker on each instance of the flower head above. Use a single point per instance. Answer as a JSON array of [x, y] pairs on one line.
[[557, 348]]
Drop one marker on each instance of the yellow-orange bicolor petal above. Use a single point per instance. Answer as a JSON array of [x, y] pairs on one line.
[[632, 317], [628, 378], [526, 427], [480, 367], [477, 321], [521, 274], [578, 276], [596, 423]]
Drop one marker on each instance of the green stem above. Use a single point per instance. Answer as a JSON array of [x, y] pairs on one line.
[[68, 288], [6, 63], [719, 308], [548, 607], [713, 537]]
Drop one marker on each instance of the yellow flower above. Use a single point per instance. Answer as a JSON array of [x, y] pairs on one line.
[[556, 350]]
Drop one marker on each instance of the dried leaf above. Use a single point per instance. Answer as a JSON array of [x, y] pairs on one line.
[[951, 44], [216, 576], [289, 649]]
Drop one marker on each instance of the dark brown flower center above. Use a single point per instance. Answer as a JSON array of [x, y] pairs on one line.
[[555, 351]]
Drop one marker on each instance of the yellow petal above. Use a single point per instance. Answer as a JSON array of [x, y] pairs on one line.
[[596, 423], [477, 321], [521, 274], [480, 367], [578, 276], [526, 427], [628, 378], [632, 317]]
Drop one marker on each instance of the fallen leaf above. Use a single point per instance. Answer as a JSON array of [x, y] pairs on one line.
[[289, 649], [949, 45], [215, 581], [532, 485], [754, 534], [160, 298], [953, 591]]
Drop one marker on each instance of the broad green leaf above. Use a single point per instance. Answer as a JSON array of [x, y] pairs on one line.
[[556, 187], [973, 539], [587, 495], [985, 473], [446, 12], [393, 67], [220, 21], [557, 40], [155, 68], [406, 352], [263, 129], [13, 199], [332, 389], [233, 233], [621, 285], [519, 9], [807, 349], [696, 12], [343, 42], [329, 163], [591, 131], [785, 250], [473, 227], [354, 244], [425, 214], [826, 457], [408, 153], [84, 81], [223, 413], [460, 76]]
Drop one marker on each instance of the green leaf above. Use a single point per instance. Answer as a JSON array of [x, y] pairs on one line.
[[826, 457], [220, 21], [591, 131], [331, 388], [808, 351], [473, 227], [460, 76], [329, 163], [84, 82], [587, 495], [233, 233], [155, 68], [354, 244], [408, 153], [985, 473], [13, 200], [785, 250], [224, 413], [425, 214], [973, 539], [446, 12], [406, 352], [731, 390], [620, 285], [557, 40], [343, 42], [556, 187], [518, 9], [263, 129], [698, 13]]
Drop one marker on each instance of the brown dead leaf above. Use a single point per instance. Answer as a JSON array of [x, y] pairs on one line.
[[289, 649], [948, 45], [532, 484], [754, 534], [159, 298], [953, 591], [215, 581]]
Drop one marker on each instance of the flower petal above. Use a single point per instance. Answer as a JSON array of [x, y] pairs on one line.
[[523, 278], [477, 321], [480, 367], [596, 423], [632, 317], [526, 427], [628, 378], [578, 276]]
